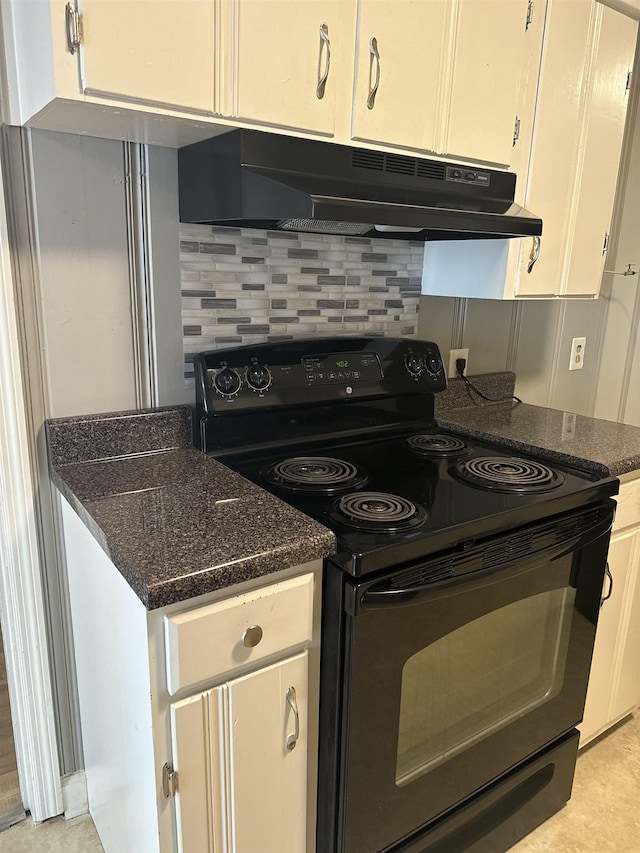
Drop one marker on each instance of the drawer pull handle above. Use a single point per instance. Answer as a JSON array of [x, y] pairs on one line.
[[291, 701], [252, 636]]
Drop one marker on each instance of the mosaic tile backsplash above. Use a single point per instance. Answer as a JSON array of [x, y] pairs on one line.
[[243, 286]]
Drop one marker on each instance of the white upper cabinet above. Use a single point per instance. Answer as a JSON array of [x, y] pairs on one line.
[[442, 77], [604, 132], [488, 58], [159, 52], [399, 63], [285, 61], [570, 178], [579, 127]]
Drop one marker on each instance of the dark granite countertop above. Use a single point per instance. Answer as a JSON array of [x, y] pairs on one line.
[[175, 522], [605, 447]]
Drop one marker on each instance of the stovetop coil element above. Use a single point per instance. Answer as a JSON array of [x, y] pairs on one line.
[[315, 473], [508, 474], [437, 445], [379, 511]]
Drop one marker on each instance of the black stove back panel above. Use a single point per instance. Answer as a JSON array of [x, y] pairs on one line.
[[334, 384]]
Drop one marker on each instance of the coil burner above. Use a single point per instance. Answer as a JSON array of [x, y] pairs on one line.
[[510, 474], [315, 474], [437, 445], [379, 511]]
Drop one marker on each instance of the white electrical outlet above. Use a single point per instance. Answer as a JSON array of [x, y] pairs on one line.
[[576, 362], [454, 355]]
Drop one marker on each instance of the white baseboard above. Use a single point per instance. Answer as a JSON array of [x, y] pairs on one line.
[[74, 795]]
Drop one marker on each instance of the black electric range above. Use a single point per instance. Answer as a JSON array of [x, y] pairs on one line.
[[459, 610]]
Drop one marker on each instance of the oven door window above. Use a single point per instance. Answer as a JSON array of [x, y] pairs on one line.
[[481, 677]]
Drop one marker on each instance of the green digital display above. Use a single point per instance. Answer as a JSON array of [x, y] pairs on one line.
[[342, 363]]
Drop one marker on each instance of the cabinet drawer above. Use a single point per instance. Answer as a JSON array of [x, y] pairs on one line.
[[628, 511], [215, 640]]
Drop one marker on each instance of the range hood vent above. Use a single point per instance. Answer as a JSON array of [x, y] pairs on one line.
[[263, 180], [398, 164]]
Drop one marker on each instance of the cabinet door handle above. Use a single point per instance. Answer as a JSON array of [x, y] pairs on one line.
[[373, 54], [322, 78], [292, 739], [608, 595], [535, 253]]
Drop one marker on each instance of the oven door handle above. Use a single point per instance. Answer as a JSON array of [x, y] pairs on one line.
[[384, 595]]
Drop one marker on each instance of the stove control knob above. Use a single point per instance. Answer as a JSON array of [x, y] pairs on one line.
[[414, 364], [434, 365], [227, 381], [258, 377]]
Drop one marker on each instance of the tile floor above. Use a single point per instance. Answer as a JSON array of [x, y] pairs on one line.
[[601, 817]]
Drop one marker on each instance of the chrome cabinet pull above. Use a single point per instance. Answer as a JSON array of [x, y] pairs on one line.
[[292, 739], [373, 54], [535, 253], [322, 78], [252, 636], [608, 595]]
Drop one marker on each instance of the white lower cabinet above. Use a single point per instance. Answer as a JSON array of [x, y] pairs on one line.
[[199, 719], [240, 755], [614, 683]]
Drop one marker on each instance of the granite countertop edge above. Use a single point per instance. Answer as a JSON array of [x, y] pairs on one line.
[[163, 497]]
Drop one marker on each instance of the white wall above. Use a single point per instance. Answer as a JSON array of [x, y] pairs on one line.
[[84, 274]]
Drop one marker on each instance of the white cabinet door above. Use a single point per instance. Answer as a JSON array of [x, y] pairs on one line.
[[442, 76], [398, 72], [284, 50], [604, 133], [577, 141], [557, 131], [198, 743], [626, 685], [596, 713], [160, 52], [268, 781], [240, 789], [614, 681], [488, 64]]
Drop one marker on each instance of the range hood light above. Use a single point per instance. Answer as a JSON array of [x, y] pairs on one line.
[[398, 228]]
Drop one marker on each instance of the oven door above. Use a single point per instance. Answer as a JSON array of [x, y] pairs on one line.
[[450, 683]]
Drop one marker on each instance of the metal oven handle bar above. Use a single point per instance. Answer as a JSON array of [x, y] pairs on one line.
[[382, 595]]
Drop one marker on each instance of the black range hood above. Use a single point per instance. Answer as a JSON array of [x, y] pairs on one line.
[[262, 180]]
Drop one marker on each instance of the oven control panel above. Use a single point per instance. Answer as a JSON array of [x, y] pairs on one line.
[[337, 368], [304, 372]]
